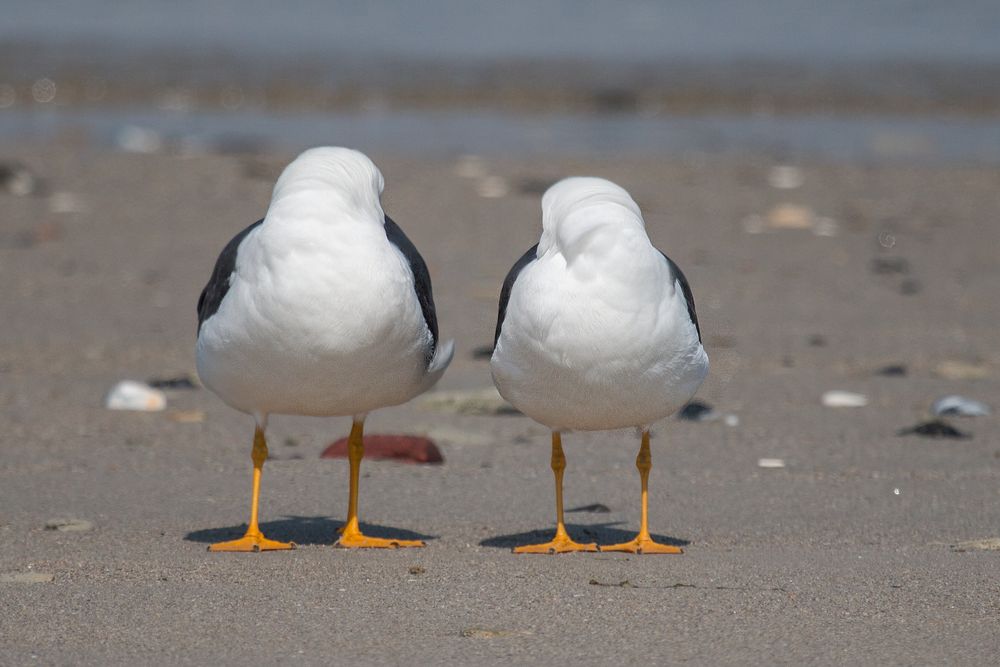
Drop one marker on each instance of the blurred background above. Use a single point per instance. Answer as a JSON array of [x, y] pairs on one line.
[[853, 80]]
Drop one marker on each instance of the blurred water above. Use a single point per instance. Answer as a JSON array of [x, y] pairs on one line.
[[926, 54], [856, 139], [629, 30]]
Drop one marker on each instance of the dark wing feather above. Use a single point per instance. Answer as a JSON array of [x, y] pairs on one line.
[[211, 297], [508, 285], [688, 295], [421, 276]]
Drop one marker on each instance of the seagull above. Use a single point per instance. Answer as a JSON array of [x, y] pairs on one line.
[[322, 308], [596, 330]]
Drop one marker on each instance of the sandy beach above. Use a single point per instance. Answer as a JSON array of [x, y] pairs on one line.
[[855, 552]]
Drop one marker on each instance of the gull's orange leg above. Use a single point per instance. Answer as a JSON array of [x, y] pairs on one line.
[[561, 543], [350, 534], [254, 540], [643, 543]]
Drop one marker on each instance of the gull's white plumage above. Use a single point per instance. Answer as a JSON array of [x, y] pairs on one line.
[[597, 333], [321, 317], [322, 308]]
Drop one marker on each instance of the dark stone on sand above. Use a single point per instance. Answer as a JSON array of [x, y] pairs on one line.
[[179, 382], [16, 179], [890, 265], [697, 411], [935, 428], [404, 448], [910, 286], [616, 100], [817, 340], [893, 370]]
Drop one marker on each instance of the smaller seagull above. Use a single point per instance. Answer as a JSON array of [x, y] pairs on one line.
[[322, 308], [596, 330]]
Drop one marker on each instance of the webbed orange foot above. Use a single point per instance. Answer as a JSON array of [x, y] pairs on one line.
[[643, 545], [351, 537], [252, 542], [560, 544]]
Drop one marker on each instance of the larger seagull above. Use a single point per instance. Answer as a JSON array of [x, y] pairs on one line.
[[596, 330], [322, 308]]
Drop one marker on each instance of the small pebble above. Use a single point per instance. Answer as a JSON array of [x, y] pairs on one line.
[[179, 382], [18, 180], [844, 399], [731, 420], [890, 265], [959, 406], [936, 428], [131, 395], [416, 569], [69, 525], [892, 370], [791, 216], [817, 340], [770, 463]]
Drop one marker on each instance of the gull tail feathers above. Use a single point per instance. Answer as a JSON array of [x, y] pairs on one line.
[[439, 363]]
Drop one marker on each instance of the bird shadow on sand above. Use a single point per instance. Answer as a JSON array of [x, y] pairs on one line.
[[603, 533], [303, 530]]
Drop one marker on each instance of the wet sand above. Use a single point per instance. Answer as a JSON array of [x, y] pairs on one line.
[[844, 556]]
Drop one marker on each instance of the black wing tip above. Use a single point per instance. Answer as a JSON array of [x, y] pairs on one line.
[[508, 284], [218, 283], [686, 289], [421, 277]]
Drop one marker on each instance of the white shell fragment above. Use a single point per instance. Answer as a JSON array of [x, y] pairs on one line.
[[134, 139], [770, 463], [988, 544], [69, 525], [787, 216], [26, 577], [844, 399], [493, 187], [959, 406], [131, 395], [785, 177]]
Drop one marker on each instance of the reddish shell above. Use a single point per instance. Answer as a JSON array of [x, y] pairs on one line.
[[405, 448]]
